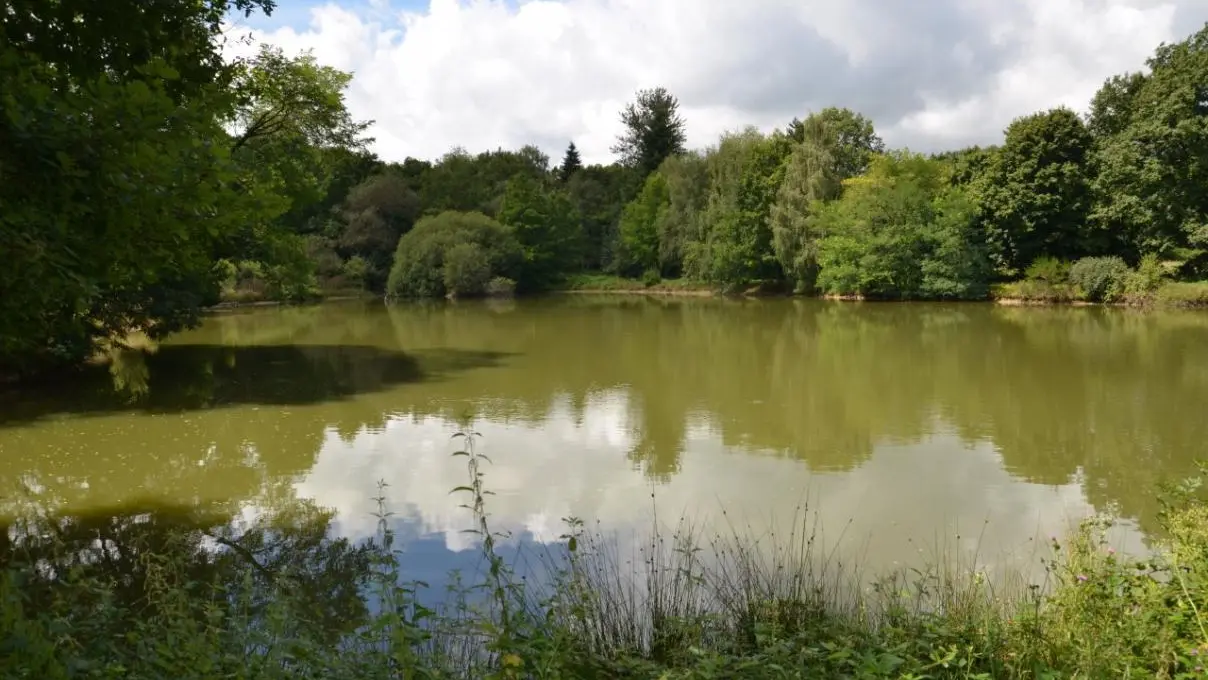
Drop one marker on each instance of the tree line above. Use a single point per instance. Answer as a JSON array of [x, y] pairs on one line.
[[144, 177]]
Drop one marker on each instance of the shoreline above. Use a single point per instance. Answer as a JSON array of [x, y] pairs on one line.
[[1028, 302], [622, 287], [234, 305], [1141, 305], [658, 292]]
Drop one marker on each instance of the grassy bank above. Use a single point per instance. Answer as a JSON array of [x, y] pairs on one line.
[[241, 299], [1174, 294], [605, 283], [1169, 294], [688, 606]]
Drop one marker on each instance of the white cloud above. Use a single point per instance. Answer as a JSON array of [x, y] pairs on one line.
[[900, 506], [486, 73]]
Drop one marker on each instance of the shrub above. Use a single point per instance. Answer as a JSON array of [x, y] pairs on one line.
[[1147, 278], [651, 277], [420, 270], [249, 270], [226, 271], [1034, 290], [1048, 269], [467, 270], [501, 286], [356, 269], [1101, 279], [326, 260]]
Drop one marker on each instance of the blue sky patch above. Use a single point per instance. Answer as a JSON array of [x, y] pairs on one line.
[[295, 14]]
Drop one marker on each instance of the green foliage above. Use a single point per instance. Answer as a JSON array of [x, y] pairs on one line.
[[467, 270], [463, 182], [1047, 279], [653, 131], [419, 269], [290, 272], [571, 163], [651, 277], [546, 225], [1035, 191], [607, 283], [1152, 170], [356, 269], [956, 264], [967, 165], [810, 177], [283, 97], [599, 194], [115, 197], [745, 171], [328, 264], [1049, 270], [901, 232], [83, 40], [372, 218], [1110, 616], [829, 146], [1183, 294], [639, 227], [1034, 291], [1112, 106], [1099, 279], [1148, 277], [848, 138], [501, 286], [292, 138], [135, 159], [679, 221]]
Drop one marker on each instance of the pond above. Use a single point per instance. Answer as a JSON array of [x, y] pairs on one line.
[[902, 430]]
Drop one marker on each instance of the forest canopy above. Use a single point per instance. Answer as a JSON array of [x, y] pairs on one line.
[[169, 178]]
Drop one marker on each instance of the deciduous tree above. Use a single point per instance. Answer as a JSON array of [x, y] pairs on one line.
[[546, 224], [1035, 192], [1152, 183], [639, 227], [654, 130], [115, 179]]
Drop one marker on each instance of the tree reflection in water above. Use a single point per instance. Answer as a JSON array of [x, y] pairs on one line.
[[102, 587]]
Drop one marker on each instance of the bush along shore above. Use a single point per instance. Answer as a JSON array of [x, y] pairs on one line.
[[1103, 280], [280, 598], [1049, 282]]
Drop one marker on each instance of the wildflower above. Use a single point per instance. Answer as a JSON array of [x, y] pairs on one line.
[[1111, 551], [1082, 578]]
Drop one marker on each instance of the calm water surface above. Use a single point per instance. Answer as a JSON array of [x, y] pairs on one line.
[[905, 427]]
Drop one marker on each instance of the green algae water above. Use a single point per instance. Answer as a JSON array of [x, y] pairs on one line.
[[900, 429]]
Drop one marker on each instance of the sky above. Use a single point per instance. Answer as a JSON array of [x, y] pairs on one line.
[[931, 74]]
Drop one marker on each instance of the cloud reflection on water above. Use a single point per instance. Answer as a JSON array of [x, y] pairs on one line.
[[903, 506]]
